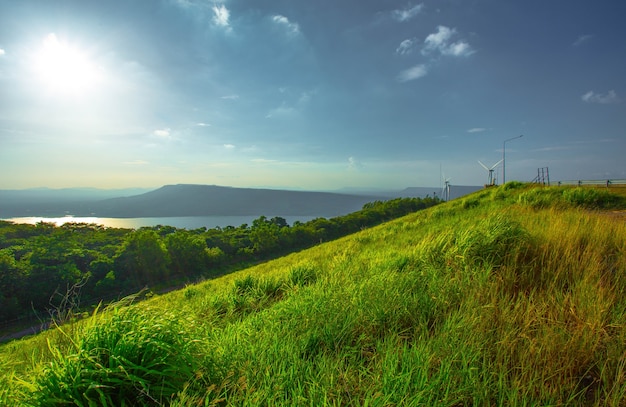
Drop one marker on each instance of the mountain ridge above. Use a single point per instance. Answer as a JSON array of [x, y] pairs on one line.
[[198, 200]]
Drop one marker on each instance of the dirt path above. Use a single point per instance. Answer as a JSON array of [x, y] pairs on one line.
[[35, 329]]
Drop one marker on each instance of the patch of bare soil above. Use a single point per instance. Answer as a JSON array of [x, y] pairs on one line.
[[617, 215]]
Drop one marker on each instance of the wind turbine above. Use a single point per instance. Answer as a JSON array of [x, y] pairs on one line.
[[445, 190], [492, 180]]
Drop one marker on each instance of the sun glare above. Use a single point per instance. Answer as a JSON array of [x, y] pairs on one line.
[[64, 69]]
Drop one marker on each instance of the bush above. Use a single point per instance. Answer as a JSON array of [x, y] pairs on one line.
[[125, 358], [539, 198], [487, 244], [591, 198]]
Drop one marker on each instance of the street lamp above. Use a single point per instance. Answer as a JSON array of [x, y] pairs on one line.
[[504, 157]]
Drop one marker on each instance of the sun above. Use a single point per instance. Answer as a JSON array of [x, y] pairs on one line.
[[64, 69]]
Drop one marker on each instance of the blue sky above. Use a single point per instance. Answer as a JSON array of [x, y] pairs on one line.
[[309, 94]]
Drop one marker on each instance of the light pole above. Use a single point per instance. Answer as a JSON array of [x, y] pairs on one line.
[[504, 157]]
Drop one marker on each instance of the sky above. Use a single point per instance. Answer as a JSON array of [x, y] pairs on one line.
[[314, 95]]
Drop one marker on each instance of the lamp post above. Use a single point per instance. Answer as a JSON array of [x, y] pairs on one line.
[[504, 157]]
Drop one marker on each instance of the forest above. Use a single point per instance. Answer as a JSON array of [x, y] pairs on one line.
[[44, 269]]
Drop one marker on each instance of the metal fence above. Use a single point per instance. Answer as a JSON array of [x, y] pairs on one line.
[[603, 182]]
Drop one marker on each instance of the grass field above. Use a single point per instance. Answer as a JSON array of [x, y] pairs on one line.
[[512, 296]]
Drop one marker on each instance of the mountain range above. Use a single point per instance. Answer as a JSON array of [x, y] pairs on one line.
[[197, 200]]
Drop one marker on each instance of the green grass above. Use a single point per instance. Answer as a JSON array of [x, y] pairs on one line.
[[511, 296]]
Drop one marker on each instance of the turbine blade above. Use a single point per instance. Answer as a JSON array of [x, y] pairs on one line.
[[483, 165], [496, 164]]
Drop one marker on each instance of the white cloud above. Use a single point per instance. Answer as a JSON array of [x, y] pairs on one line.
[[440, 38], [412, 73], [582, 40], [202, 124], [293, 108], [184, 3], [163, 133], [221, 15], [229, 146], [354, 164], [476, 130], [305, 98], [605, 99], [408, 13], [2, 52], [230, 97], [282, 111], [136, 162], [458, 49], [440, 42], [405, 46], [293, 28]]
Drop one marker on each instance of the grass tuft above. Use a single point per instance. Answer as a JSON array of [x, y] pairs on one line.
[[121, 357]]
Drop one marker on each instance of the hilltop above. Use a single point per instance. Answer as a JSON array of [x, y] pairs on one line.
[[513, 295]]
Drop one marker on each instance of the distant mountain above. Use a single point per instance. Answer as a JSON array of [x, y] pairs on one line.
[[180, 200], [198, 200], [206, 200], [55, 202]]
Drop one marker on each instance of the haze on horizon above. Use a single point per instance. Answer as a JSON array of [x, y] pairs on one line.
[[308, 94]]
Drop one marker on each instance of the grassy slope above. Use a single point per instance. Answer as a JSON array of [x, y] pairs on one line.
[[511, 296]]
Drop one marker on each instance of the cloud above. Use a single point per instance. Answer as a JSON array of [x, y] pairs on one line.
[[2, 52], [230, 97], [608, 98], [202, 124], [293, 108], [439, 39], [184, 3], [458, 49], [221, 15], [407, 14], [305, 98], [476, 130], [163, 133], [229, 146], [281, 111], [136, 162], [440, 42], [293, 28], [406, 46], [412, 73], [583, 39], [354, 164]]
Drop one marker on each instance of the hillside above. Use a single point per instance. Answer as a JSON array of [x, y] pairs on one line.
[[510, 296]]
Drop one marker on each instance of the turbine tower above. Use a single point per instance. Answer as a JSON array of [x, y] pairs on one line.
[[491, 179], [445, 190]]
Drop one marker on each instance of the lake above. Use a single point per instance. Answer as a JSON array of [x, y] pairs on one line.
[[182, 222]]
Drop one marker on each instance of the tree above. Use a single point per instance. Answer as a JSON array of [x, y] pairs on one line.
[[143, 259], [187, 253], [264, 235], [12, 281]]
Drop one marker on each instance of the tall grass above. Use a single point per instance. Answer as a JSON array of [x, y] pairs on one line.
[[497, 300]]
